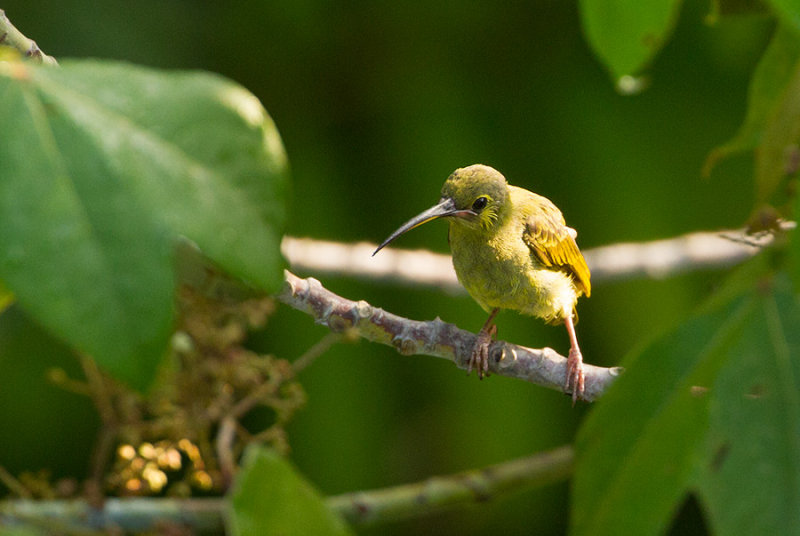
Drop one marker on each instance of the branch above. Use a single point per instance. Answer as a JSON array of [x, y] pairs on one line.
[[435, 338], [206, 515], [11, 37], [657, 259], [442, 492]]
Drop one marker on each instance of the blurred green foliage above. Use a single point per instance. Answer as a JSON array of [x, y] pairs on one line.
[[376, 104]]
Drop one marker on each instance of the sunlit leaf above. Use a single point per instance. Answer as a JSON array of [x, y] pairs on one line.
[[270, 497], [105, 167], [750, 481], [627, 35]]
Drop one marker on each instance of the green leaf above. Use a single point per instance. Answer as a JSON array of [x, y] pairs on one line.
[[750, 480], [767, 87], [793, 250], [626, 35], [20, 531], [636, 452], [105, 167], [6, 297], [778, 151], [728, 8], [788, 12], [270, 497]]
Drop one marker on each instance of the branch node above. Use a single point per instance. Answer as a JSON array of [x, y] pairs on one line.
[[362, 310], [34, 51], [404, 344], [616, 371]]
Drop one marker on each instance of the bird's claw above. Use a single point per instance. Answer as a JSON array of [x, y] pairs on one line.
[[575, 380], [480, 352]]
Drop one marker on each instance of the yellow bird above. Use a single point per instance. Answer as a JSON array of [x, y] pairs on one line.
[[511, 250]]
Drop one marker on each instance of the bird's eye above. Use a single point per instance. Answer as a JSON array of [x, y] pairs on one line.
[[479, 204]]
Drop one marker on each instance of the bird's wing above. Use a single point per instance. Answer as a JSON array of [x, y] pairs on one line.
[[553, 243]]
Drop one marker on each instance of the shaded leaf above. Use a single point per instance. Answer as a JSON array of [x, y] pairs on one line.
[[6, 297], [794, 250], [105, 166], [44, 416], [627, 35], [750, 479], [637, 450], [270, 497], [778, 151], [20, 531], [767, 87], [727, 8]]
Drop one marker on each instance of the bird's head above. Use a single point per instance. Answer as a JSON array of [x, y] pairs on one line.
[[475, 196], [479, 194]]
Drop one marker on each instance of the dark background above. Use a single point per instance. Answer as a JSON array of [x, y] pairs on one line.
[[376, 105]]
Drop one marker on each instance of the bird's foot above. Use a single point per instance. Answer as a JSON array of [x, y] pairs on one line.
[[480, 352], [575, 380]]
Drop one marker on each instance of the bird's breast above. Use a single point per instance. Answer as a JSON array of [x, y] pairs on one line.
[[499, 271]]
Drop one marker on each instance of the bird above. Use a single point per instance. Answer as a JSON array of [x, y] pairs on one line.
[[511, 249]]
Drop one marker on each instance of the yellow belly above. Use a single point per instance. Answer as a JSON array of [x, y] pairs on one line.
[[502, 273]]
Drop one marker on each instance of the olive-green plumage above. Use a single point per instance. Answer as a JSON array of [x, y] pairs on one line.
[[511, 250]]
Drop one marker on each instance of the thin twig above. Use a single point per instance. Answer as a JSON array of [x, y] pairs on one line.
[[319, 348], [543, 367], [14, 485], [106, 438], [225, 441]]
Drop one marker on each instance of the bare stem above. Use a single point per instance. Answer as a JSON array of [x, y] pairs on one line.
[[14, 485], [319, 348], [443, 492]]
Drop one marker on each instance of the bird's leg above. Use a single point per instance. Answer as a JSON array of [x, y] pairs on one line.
[[574, 382], [480, 352]]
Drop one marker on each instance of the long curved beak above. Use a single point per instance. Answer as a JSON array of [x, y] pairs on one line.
[[446, 207]]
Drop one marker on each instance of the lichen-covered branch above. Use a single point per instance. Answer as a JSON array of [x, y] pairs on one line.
[[634, 260], [11, 37], [207, 515], [435, 338]]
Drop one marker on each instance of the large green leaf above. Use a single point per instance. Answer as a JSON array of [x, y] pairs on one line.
[[767, 88], [104, 167], [713, 407], [625, 34], [270, 497], [750, 481], [636, 451]]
